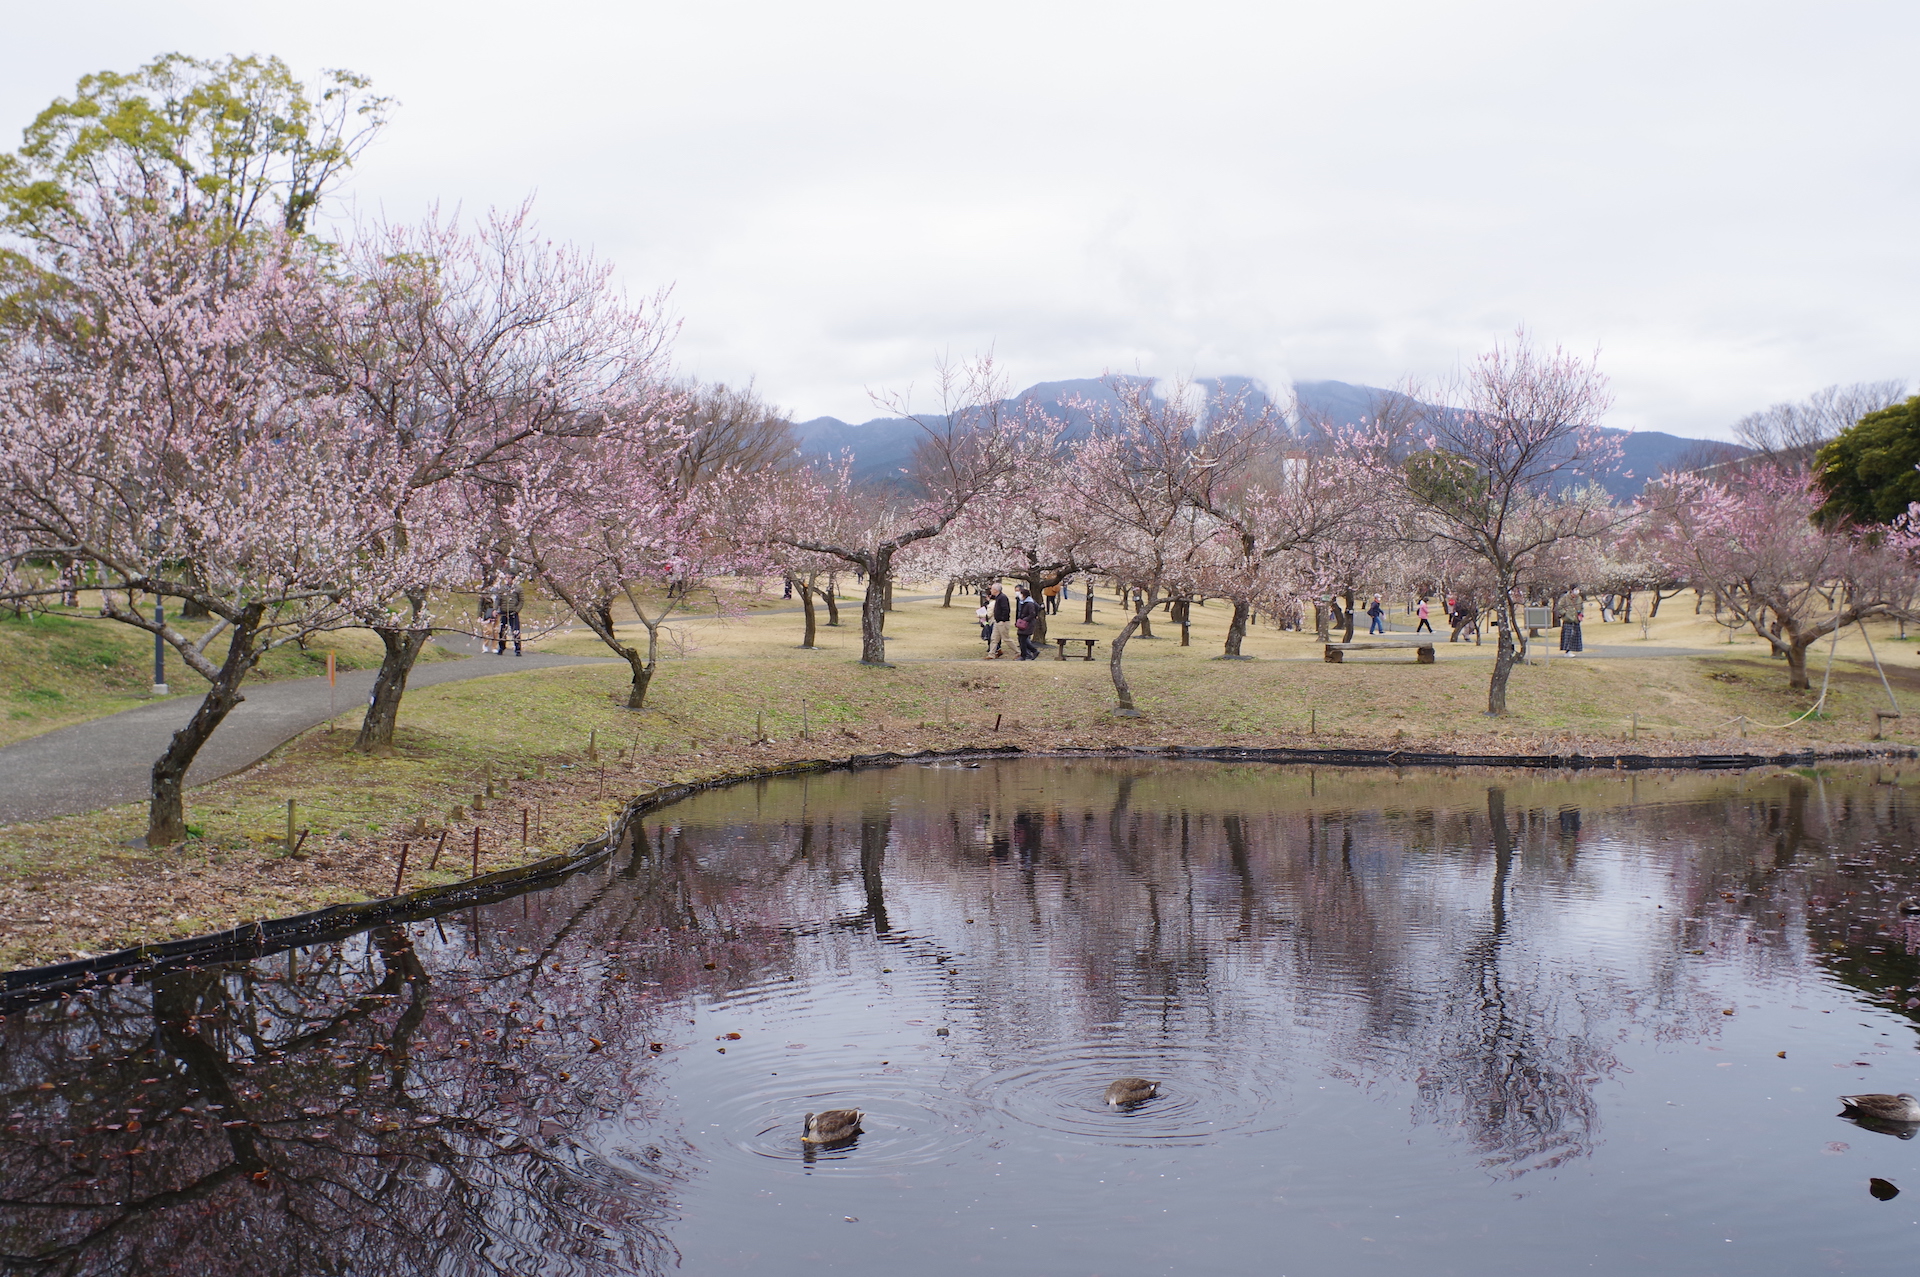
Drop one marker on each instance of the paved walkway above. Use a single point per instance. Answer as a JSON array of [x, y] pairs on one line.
[[110, 760]]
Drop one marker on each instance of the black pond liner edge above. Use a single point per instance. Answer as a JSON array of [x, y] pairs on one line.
[[28, 985]]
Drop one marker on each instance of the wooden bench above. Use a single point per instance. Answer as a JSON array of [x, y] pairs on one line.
[[1061, 643], [1422, 648]]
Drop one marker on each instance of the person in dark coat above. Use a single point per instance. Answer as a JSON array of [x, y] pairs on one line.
[[1025, 618], [506, 612]]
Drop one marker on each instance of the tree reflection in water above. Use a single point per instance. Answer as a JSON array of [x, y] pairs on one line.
[[442, 1097], [481, 1093], [1513, 1066]]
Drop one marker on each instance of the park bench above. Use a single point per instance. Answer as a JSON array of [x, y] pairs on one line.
[[1061, 643], [1422, 648]]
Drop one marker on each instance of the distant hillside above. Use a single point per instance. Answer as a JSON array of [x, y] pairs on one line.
[[883, 447]]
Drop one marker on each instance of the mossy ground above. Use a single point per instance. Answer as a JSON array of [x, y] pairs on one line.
[[735, 693]]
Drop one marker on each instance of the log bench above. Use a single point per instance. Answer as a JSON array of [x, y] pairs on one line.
[[1061, 643], [1422, 648]]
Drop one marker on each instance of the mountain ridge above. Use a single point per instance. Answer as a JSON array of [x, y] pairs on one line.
[[883, 446]]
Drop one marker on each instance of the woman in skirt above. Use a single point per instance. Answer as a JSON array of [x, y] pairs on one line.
[[1569, 609]]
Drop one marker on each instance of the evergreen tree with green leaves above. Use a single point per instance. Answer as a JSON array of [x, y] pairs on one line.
[[1868, 472]]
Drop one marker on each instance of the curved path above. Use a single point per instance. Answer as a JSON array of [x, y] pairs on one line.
[[110, 760]]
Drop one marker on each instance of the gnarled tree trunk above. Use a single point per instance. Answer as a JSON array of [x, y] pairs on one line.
[[873, 614], [806, 606], [166, 808], [1505, 656], [402, 649], [1237, 630], [1123, 690]]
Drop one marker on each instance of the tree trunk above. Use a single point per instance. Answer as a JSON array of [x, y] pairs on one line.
[[1183, 615], [873, 618], [948, 600], [599, 618], [888, 586], [1089, 612], [403, 647], [1039, 631], [1349, 637], [806, 606], [167, 808], [1322, 621], [1122, 691], [1504, 658], [832, 595], [642, 679], [1143, 613], [1796, 653], [1237, 629]]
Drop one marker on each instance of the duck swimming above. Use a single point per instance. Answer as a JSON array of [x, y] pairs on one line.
[[1884, 1108], [1130, 1090], [832, 1126]]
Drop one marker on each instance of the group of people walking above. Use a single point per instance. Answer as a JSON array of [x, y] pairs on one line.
[[1003, 616], [1569, 611]]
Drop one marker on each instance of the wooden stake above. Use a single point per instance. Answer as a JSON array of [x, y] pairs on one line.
[[289, 843], [401, 874], [593, 745], [996, 722], [523, 827], [1313, 721], [436, 849], [476, 851]]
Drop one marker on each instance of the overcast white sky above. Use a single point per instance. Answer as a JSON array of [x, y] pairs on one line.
[[1721, 196]]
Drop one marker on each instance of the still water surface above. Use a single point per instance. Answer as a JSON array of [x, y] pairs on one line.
[[1433, 1023]]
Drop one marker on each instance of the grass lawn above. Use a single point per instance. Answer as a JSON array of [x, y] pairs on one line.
[[735, 693], [64, 667]]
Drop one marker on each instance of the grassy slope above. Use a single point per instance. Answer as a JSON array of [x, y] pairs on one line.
[[61, 668], [70, 886]]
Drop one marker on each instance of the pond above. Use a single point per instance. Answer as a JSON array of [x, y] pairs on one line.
[[1424, 1022]]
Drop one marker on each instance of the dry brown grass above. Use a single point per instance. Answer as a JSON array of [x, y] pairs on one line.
[[740, 695]]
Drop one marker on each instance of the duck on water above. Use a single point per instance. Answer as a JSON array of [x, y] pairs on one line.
[[832, 1126], [1883, 1108], [1130, 1090]]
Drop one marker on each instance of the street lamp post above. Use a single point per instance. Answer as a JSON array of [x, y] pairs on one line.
[[159, 649]]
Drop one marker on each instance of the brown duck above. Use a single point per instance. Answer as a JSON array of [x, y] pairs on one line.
[[1885, 1108], [1130, 1090], [832, 1126]]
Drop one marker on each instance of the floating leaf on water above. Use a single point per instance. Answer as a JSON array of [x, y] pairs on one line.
[[1882, 1190]]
